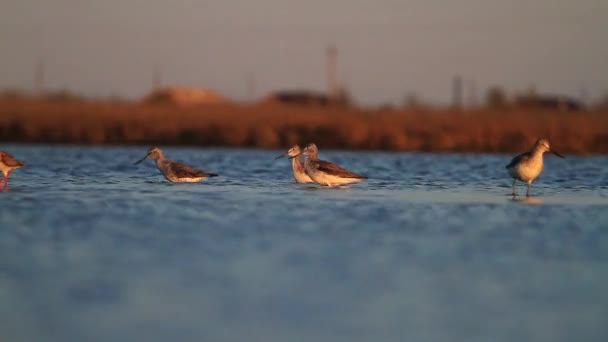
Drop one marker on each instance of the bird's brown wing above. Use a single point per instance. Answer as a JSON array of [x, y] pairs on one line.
[[336, 170], [517, 159], [9, 160], [186, 171]]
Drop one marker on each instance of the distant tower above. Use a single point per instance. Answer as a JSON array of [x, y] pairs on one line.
[[583, 94], [157, 79], [532, 91], [457, 92], [39, 75], [472, 94], [331, 70], [250, 85]]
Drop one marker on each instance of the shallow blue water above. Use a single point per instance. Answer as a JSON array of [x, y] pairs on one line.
[[431, 248]]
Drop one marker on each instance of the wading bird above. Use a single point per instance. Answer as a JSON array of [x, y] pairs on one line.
[[173, 171], [527, 166], [325, 173]]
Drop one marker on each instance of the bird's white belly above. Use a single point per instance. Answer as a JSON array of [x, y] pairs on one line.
[[175, 179], [5, 169], [301, 177], [526, 172], [185, 179], [330, 180], [299, 174], [171, 177]]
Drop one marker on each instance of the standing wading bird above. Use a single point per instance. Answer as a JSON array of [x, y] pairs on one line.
[[326, 173], [299, 174], [527, 166], [173, 171], [8, 163]]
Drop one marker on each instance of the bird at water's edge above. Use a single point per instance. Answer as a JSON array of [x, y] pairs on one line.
[[527, 166], [8, 163], [173, 171]]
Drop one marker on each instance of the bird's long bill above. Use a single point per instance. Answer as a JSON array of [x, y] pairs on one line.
[[142, 159], [281, 156], [557, 154], [297, 155]]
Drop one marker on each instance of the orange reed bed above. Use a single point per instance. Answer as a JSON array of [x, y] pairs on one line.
[[276, 126]]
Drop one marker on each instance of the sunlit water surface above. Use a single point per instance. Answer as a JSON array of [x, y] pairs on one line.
[[431, 248]]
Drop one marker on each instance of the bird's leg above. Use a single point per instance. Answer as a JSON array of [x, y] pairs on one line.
[[3, 181], [514, 188], [529, 187], [8, 174]]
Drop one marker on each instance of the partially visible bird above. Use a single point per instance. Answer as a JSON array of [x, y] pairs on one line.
[[299, 174], [8, 163]]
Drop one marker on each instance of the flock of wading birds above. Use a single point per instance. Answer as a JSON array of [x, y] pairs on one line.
[[525, 167]]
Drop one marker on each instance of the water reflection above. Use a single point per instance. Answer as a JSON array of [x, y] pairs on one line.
[[527, 200]]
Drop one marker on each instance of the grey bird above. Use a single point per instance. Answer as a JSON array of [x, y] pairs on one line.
[[173, 171]]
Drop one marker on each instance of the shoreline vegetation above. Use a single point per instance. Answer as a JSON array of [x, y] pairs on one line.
[[271, 125]]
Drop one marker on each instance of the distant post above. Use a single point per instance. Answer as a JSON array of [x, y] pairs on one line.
[[250, 85], [583, 96], [331, 70], [457, 92], [39, 75]]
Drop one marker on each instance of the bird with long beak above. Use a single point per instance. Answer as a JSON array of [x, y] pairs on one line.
[[8, 163], [527, 166], [299, 174], [173, 171], [325, 173]]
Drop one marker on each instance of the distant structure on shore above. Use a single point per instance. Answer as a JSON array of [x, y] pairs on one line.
[[300, 97], [553, 102], [308, 98], [185, 96], [335, 95]]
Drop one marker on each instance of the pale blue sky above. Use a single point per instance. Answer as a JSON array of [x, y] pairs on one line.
[[387, 48]]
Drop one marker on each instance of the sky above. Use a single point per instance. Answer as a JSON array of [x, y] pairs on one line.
[[248, 48]]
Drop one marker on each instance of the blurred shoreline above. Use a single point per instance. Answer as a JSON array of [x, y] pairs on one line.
[[44, 121]]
